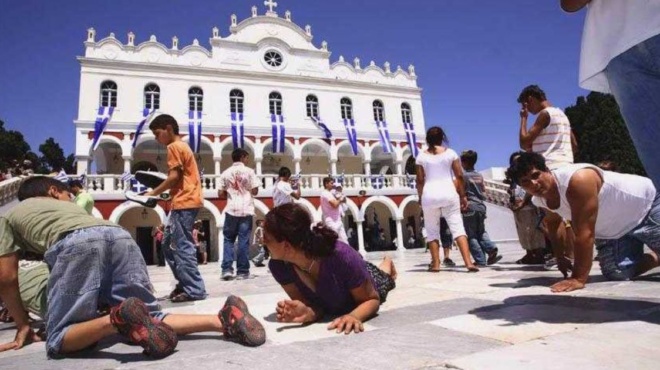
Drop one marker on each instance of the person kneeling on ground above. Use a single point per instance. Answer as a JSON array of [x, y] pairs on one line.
[[322, 275], [622, 211], [94, 263]]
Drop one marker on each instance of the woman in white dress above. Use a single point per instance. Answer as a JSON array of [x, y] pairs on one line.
[[442, 194]]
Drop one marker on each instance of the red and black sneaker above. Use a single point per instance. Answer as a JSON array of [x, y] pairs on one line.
[[239, 324], [131, 319]]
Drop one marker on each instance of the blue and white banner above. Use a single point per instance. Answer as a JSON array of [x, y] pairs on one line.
[[195, 130], [384, 135], [137, 187], [351, 135], [411, 181], [103, 116], [279, 133], [412, 138], [237, 130], [147, 114], [323, 127], [61, 176], [126, 176], [377, 181], [339, 180]]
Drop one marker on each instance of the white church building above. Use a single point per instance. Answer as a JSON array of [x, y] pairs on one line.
[[265, 78]]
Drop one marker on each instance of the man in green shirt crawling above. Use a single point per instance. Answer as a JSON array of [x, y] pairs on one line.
[[94, 262], [82, 198]]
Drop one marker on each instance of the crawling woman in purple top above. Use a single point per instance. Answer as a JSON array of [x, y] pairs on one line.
[[320, 274]]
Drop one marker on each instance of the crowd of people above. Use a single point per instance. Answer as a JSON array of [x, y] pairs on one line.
[[92, 281]]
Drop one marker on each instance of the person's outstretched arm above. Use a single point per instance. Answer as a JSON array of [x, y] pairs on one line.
[[368, 305], [10, 295], [573, 5], [582, 195]]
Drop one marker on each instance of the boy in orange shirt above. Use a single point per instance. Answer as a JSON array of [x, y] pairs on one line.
[[186, 192]]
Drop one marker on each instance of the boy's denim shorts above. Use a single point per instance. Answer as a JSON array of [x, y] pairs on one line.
[[90, 267], [618, 258]]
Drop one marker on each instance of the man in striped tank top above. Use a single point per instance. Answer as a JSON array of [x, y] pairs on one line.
[[551, 137]]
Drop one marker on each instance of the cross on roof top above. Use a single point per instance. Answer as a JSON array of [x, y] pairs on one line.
[[271, 4]]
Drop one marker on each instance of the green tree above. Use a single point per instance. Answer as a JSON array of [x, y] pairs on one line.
[[13, 147], [52, 156], [601, 133]]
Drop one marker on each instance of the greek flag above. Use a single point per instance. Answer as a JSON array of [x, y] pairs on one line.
[[279, 132], [295, 181], [137, 187], [339, 180], [384, 134], [61, 176], [351, 134], [377, 181], [411, 181], [412, 138], [323, 127], [104, 115], [147, 114], [195, 130], [237, 130], [126, 176]]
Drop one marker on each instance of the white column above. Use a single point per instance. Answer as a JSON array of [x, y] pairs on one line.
[[127, 164], [82, 164], [258, 164], [217, 166], [399, 237], [333, 167], [367, 168], [360, 235], [399, 168], [296, 163]]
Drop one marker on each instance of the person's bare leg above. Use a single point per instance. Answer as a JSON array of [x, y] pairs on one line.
[[387, 266], [446, 251], [188, 324], [434, 247], [465, 252], [82, 335], [204, 258]]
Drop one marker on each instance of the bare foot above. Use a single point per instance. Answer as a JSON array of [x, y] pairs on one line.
[[387, 265]]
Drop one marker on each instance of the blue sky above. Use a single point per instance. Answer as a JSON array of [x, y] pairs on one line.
[[472, 56]]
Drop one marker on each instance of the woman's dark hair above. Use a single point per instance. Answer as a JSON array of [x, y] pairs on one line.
[[435, 136], [524, 164], [38, 186], [291, 222]]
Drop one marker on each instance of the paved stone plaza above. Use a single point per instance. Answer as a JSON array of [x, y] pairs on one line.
[[501, 318]]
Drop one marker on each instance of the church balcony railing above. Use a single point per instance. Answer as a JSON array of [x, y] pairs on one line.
[[111, 185], [9, 189]]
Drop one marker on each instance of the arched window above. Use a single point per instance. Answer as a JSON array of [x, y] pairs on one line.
[[312, 106], [406, 113], [379, 111], [236, 101], [195, 99], [275, 103], [152, 96], [346, 108], [108, 94]]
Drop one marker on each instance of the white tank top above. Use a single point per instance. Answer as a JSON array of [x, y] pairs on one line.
[[439, 189], [623, 202], [611, 28], [554, 142]]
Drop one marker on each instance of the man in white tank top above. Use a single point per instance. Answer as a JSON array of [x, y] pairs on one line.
[[619, 56], [621, 211]]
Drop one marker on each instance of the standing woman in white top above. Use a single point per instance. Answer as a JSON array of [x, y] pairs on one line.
[[436, 169]]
